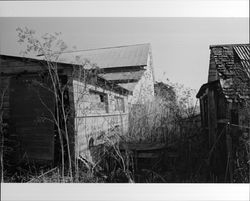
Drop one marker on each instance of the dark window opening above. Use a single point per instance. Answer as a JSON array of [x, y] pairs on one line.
[[234, 117], [98, 102], [91, 142], [102, 99]]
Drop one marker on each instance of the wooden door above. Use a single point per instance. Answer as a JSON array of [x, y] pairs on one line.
[[31, 120]]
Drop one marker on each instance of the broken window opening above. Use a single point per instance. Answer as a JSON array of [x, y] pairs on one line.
[[98, 102], [119, 104]]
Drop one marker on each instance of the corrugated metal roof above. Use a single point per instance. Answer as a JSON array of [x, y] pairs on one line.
[[246, 66], [131, 75], [122, 56], [243, 51]]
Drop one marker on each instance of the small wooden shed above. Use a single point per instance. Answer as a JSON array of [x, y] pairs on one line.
[[224, 102], [29, 106]]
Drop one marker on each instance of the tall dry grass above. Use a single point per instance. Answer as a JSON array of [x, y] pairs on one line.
[[154, 122]]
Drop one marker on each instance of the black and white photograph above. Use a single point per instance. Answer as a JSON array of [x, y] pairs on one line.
[[92, 99]]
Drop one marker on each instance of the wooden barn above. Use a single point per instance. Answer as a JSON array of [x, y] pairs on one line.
[[224, 104], [130, 67], [97, 106]]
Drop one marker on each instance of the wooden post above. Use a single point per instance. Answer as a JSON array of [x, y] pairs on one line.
[[212, 129], [212, 117], [229, 154]]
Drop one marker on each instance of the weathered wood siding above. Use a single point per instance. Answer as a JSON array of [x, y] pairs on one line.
[[4, 97], [97, 128], [15, 65], [30, 119], [31, 136], [96, 124], [212, 72]]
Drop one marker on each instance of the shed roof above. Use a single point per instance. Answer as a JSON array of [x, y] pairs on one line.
[[232, 64], [110, 57], [23, 65]]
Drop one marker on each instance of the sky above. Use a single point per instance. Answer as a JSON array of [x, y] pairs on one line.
[[180, 46]]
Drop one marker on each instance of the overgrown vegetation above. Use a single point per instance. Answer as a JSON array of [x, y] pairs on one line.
[[154, 122], [50, 47], [170, 121]]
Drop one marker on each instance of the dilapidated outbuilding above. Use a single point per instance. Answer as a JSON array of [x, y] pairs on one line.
[[96, 106], [224, 103], [29, 107], [130, 67]]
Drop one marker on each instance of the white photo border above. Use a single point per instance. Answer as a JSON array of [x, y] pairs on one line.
[[126, 8], [122, 192]]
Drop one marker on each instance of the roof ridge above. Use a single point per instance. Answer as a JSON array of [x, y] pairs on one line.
[[102, 48]]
